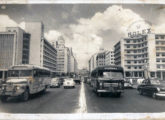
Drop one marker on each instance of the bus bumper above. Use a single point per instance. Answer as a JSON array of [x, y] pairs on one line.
[[12, 93], [110, 91]]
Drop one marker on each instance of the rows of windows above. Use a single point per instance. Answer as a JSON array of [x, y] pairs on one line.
[[160, 54], [136, 67], [159, 36], [135, 40], [136, 46], [160, 60], [160, 48]]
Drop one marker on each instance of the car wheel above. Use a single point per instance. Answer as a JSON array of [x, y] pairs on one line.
[[25, 95], [4, 98], [154, 96], [140, 92]]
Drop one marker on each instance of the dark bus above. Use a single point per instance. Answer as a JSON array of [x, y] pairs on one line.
[[108, 79]]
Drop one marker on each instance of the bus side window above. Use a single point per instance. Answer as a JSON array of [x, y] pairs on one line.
[[5, 74], [35, 73]]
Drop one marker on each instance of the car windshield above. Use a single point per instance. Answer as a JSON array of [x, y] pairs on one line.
[[19, 73], [112, 75], [155, 82]]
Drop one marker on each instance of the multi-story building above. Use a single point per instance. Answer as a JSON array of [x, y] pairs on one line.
[[42, 53], [92, 64], [66, 62], [30, 47], [109, 58], [14, 47], [100, 59], [140, 52]]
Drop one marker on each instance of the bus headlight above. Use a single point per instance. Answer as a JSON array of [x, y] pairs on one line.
[[158, 89], [18, 87], [101, 84]]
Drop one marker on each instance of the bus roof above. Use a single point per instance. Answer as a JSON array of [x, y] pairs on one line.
[[109, 67], [27, 66]]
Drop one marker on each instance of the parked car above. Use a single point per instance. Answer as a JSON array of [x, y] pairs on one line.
[[55, 82], [127, 84], [152, 87], [69, 83]]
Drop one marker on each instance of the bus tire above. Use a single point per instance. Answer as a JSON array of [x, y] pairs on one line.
[[99, 94], [4, 98], [25, 95], [118, 94]]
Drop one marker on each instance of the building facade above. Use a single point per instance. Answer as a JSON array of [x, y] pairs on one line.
[[66, 62], [140, 52], [42, 53], [27, 46], [109, 58], [14, 47]]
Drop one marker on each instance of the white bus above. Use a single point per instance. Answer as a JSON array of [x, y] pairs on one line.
[[24, 80]]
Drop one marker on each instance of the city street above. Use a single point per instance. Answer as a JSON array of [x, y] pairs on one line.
[[60, 100]]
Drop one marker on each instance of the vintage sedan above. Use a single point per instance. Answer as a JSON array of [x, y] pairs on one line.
[[55, 82], [152, 87], [69, 83], [127, 84]]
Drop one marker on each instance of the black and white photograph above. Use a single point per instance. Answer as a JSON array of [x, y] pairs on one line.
[[82, 61]]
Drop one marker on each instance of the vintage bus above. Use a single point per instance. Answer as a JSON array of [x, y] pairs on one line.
[[108, 79], [3, 76], [24, 80]]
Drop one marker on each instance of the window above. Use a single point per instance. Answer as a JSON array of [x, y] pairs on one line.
[[157, 54], [157, 60], [129, 67], [128, 62], [128, 46]]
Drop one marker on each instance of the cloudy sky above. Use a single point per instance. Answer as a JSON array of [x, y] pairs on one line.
[[85, 27]]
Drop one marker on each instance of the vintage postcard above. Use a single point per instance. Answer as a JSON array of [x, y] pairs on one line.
[[76, 60]]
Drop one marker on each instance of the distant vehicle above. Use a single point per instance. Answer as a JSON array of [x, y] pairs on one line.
[[108, 79], [69, 83], [3, 76], [55, 82], [77, 80], [85, 79], [61, 80], [127, 84], [24, 80], [152, 87]]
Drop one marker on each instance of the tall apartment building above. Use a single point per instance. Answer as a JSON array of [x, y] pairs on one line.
[[14, 47], [66, 62], [30, 47], [100, 59], [109, 58], [92, 62], [136, 53], [42, 53]]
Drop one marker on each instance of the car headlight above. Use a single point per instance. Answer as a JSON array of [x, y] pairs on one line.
[[101, 84], [158, 89]]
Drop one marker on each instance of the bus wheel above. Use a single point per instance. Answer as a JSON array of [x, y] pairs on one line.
[[4, 98], [25, 95], [118, 94], [99, 94]]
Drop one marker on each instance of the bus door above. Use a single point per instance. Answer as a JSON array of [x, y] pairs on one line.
[[35, 82]]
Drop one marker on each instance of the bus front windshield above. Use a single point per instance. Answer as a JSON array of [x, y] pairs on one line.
[[112, 75], [19, 73]]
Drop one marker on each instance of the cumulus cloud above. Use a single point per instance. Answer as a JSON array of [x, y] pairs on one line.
[[6, 21], [52, 35]]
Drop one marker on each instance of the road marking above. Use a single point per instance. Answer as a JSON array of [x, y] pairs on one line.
[[82, 101]]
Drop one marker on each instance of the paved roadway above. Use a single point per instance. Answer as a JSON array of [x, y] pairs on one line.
[[60, 100]]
